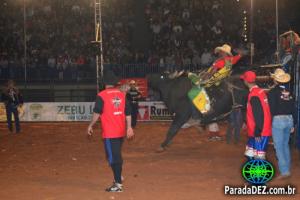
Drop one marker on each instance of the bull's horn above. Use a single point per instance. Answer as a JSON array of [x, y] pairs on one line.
[[173, 75], [176, 74], [200, 72], [180, 73]]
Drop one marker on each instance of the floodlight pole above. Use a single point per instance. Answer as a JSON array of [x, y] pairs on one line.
[[251, 33], [25, 42], [277, 34], [98, 32]]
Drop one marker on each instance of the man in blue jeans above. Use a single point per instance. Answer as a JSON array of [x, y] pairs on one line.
[[282, 108], [235, 124]]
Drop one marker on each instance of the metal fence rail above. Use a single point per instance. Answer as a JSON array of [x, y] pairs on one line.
[[84, 73]]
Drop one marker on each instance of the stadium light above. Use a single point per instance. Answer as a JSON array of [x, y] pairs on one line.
[[251, 32], [277, 33], [98, 36], [25, 42]]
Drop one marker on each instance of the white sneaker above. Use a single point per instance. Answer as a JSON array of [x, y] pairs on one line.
[[116, 187]]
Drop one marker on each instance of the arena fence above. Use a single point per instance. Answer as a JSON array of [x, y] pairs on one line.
[[85, 73]]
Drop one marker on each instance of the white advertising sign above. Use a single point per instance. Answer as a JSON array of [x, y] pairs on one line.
[[81, 111]]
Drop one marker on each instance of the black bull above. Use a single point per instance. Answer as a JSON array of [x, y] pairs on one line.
[[174, 94]]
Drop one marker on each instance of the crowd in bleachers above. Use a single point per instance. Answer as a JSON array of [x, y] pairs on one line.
[[57, 34], [58, 37], [186, 32], [183, 33]]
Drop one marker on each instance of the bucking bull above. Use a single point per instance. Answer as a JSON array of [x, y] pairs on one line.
[[174, 92]]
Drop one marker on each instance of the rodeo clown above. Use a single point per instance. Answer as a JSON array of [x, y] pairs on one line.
[[258, 117]]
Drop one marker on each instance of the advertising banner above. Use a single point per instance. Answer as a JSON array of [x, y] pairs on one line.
[[81, 111], [2, 113], [153, 111]]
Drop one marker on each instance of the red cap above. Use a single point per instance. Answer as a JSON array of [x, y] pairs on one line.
[[249, 76]]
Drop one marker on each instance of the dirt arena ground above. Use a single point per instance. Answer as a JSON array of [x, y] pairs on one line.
[[57, 162]]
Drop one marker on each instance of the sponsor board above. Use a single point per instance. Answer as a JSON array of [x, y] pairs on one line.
[[81, 111], [56, 112], [153, 111], [2, 113], [143, 113], [21, 110]]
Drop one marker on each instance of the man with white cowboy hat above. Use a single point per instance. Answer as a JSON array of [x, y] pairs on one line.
[[282, 108], [225, 48], [225, 59]]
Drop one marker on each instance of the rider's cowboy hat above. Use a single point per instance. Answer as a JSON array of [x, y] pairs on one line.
[[132, 82], [280, 76], [225, 48]]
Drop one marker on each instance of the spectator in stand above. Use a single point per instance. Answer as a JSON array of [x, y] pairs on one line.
[[59, 67], [196, 59], [80, 60], [185, 14], [51, 61], [156, 28], [186, 61], [170, 61], [206, 58], [4, 68]]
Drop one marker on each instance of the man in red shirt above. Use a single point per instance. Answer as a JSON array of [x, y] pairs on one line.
[[113, 109], [225, 59], [258, 119]]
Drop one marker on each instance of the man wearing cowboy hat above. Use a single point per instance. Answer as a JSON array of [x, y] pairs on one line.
[[225, 58], [290, 36], [282, 107]]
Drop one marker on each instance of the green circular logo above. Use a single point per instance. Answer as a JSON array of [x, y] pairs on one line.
[[258, 171]]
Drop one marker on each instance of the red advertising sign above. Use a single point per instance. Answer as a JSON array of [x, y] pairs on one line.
[[153, 111], [143, 114]]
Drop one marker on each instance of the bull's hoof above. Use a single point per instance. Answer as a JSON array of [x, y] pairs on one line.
[[160, 149]]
